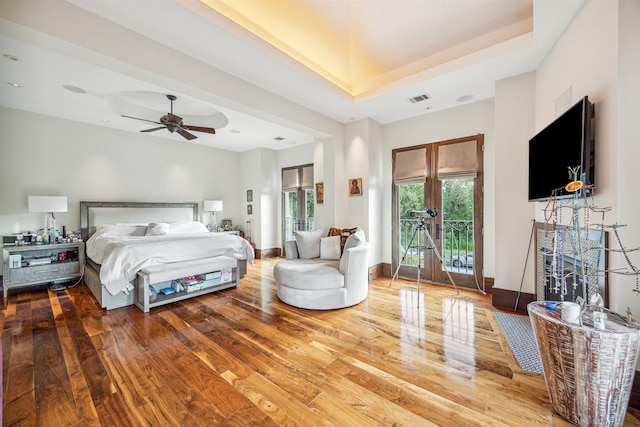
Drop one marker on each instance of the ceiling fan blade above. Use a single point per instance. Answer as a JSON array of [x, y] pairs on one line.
[[144, 120], [199, 129], [186, 134], [153, 130]]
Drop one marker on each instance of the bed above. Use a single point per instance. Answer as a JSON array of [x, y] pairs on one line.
[[125, 238]]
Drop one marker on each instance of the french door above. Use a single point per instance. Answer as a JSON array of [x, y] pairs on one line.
[[298, 200], [437, 212]]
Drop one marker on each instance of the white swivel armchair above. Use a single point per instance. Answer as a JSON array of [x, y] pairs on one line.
[[324, 285]]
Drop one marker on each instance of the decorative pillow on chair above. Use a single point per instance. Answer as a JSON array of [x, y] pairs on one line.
[[308, 243], [344, 234], [330, 247]]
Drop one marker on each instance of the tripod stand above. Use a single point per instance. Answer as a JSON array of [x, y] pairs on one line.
[[422, 227]]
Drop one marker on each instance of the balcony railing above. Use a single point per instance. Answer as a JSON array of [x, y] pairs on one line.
[[292, 224], [455, 243]]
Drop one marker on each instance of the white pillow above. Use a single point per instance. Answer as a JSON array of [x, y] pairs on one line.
[[101, 227], [330, 247], [308, 243], [157, 229], [187, 227], [121, 229]]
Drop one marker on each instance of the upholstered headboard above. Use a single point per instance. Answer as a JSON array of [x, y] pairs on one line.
[[96, 213]]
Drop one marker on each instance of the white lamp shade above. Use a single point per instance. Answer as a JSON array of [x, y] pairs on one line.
[[213, 205], [47, 203]]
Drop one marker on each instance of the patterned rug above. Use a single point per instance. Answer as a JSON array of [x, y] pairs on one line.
[[518, 331]]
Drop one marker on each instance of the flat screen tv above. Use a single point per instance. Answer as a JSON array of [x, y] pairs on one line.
[[565, 143]]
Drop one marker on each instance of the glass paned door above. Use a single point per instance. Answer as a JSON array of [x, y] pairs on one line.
[[298, 200], [413, 243], [290, 213], [455, 231], [448, 245]]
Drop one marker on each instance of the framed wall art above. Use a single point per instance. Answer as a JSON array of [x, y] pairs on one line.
[[320, 193], [355, 187], [249, 196]]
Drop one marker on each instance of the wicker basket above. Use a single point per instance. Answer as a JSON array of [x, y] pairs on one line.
[[589, 372]]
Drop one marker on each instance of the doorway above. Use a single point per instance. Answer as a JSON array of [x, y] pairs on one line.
[[298, 200], [437, 201]]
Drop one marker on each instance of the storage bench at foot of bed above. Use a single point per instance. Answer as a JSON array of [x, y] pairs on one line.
[[216, 273]]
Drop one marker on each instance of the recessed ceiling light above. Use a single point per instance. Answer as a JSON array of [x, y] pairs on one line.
[[104, 120], [13, 84], [11, 57], [464, 98], [74, 89], [279, 138], [234, 131]]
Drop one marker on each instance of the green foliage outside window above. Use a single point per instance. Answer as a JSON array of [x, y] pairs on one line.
[[456, 213]]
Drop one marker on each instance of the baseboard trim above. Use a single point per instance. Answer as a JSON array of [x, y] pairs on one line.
[[268, 253], [488, 284], [375, 271], [385, 271], [505, 299]]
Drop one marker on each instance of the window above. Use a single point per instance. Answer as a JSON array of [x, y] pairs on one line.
[[298, 200]]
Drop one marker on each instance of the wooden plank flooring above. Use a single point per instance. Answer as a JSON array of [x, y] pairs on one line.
[[241, 357]]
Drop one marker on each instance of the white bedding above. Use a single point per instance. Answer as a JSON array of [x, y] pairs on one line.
[[122, 251]]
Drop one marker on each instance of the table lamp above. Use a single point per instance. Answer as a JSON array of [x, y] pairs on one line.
[[49, 205], [213, 206]]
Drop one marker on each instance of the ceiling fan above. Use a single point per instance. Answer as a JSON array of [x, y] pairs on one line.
[[174, 123]]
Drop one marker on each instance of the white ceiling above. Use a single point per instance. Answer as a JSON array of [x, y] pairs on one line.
[[441, 48]]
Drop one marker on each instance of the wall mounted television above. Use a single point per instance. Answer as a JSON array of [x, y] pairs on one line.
[[566, 142]]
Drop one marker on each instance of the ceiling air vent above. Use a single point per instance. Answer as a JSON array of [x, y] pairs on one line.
[[419, 98]]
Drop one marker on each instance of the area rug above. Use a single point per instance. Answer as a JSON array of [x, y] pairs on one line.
[[518, 332]]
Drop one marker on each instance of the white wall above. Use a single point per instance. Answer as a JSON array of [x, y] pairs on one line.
[[258, 173], [376, 190], [469, 119], [363, 158], [356, 154], [586, 61], [514, 126], [42, 155], [629, 129], [628, 155]]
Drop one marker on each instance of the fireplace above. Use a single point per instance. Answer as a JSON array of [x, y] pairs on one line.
[[564, 261]]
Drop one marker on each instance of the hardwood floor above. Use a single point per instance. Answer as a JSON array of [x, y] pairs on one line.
[[241, 357]]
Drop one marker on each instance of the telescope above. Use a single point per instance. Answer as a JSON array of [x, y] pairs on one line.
[[426, 213]]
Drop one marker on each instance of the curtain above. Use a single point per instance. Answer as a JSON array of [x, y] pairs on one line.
[[459, 160], [290, 179], [411, 166], [307, 177]]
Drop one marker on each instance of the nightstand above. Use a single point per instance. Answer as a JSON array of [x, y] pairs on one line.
[[32, 264]]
